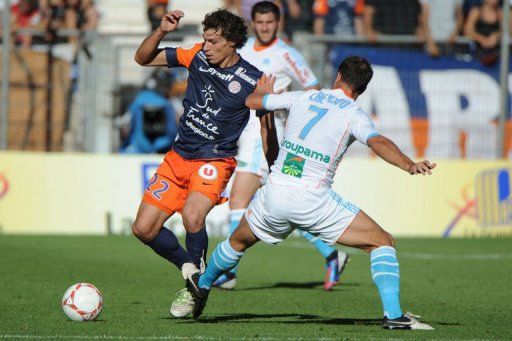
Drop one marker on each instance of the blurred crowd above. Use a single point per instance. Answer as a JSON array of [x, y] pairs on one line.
[[36, 21], [437, 23], [149, 112]]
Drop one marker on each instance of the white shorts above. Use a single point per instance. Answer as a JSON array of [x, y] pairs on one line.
[[251, 157], [276, 210]]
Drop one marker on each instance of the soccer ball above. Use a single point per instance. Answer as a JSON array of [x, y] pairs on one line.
[[82, 302]]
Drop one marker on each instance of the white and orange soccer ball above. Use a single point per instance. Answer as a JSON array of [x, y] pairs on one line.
[[82, 302]]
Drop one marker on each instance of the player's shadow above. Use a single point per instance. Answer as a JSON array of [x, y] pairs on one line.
[[295, 285], [283, 318]]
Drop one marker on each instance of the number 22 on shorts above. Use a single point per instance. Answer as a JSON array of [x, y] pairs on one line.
[[156, 192]]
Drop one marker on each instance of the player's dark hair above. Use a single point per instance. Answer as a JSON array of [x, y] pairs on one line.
[[356, 72], [231, 26], [264, 7]]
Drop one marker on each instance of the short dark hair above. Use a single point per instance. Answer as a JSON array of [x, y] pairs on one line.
[[264, 7], [356, 72], [232, 27]]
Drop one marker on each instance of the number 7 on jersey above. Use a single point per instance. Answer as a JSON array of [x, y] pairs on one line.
[[320, 112]]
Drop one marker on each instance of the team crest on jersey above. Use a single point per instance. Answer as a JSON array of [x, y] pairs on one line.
[[208, 172], [293, 165], [234, 87]]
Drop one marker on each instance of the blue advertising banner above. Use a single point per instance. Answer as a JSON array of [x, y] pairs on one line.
[[447, 106]]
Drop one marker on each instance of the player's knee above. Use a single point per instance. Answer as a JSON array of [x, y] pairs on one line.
[[385, 239], [192, 220], [144, 232], [391, 240]]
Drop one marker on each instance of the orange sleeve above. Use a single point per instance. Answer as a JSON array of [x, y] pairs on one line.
[[185, 56]]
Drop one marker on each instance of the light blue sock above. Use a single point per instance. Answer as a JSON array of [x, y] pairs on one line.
[[386, 276], [223, 258], [235, 216], [324, 249]]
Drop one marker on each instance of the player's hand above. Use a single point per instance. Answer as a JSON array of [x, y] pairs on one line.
[[424, 167], [170, 21], [265, 85]]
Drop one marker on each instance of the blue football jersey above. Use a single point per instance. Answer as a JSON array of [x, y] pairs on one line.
[[215, 113]]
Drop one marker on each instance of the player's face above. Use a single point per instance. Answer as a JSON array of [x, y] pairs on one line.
[[216, 47], [265, 27]]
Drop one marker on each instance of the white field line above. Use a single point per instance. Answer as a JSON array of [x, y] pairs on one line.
[[414, 255]]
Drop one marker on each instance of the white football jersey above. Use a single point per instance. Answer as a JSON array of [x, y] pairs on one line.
[[286, 64], [281, 60], [321, 125]]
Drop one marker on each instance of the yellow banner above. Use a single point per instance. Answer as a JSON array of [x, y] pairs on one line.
[[460, 198], [70, 193], [97, 194]]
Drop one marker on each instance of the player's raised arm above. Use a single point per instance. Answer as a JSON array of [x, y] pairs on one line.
[[265, 98], [388, 151], [148, 53]]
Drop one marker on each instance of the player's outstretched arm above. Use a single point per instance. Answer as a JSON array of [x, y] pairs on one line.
[[264, 86], [388, 151], [148, 53]]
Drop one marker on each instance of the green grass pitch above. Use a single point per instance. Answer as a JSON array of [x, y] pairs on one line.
[[463, 287]]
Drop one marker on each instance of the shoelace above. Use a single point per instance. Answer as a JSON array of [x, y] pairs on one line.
[[183, 296], [202, 265]]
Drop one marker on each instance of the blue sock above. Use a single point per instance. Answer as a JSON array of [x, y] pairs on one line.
[[197, 246], [235, 216], [386, 276], [324, 249], [167, 246], [223, 258]]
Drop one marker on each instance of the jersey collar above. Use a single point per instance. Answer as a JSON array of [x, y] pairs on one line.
[[261, 48]]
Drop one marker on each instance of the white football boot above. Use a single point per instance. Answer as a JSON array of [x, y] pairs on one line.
[[183, 305]]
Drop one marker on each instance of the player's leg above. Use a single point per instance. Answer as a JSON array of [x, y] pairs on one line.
[[262, 221], [225, 257], [245, 184], [194, 213], [208, 180], [335, 260], [228, 253], [162, 198], [324, 249], [366, 234], [148, 227], [165, 194]]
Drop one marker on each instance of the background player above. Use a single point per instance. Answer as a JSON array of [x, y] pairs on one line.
[[298, 194], [272, 56], [197, 169]]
